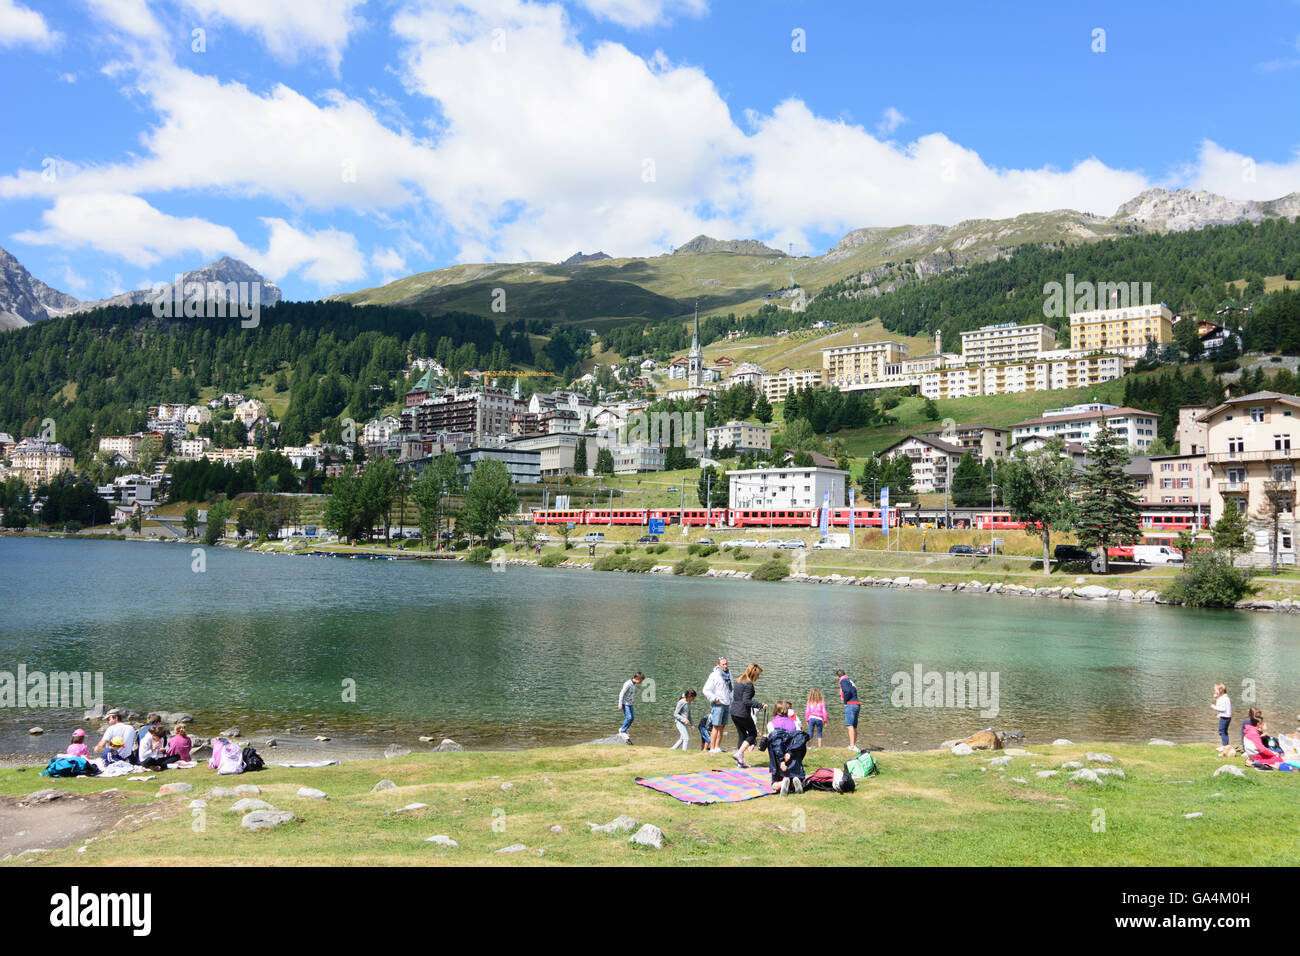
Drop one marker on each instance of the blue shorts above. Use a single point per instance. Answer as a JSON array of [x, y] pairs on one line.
[[851, 714], [720, 714], [815, 728]]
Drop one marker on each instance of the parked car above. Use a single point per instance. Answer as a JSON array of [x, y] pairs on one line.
[[985, 549], [834, 542], [744, 543], [1156, 554], [1071, 552], [594, 536], [772, 543], [705, 541], [648, 539], [792, 543], [962, 549], [543, 538]]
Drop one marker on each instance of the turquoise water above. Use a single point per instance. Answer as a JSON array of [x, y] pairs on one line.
[[534, 656]]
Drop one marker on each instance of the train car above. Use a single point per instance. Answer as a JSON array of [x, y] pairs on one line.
[[624, 516], [773, 518], [559, 517], [998, 521], [699, 517], [667, 515], [862, 517], [1163, 521]]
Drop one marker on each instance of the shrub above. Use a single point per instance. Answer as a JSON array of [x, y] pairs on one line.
[[1230, 365], [611, 562], [550, 560], [706, 550], [657, 549], [690, 566], [773, 569], [479, 555], [640, 565], [1209, 580], [740, 554]]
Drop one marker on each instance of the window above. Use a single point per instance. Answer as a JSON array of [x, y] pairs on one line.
[[1236, 446], [1281, 442], [1257, 413]]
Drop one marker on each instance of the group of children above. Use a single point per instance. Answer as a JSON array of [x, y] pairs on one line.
[[784, 715], [150, 748]]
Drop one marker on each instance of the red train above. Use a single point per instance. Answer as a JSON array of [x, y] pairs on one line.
[[731, 517]]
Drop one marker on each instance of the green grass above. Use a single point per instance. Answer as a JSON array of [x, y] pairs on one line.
[[923, 809]]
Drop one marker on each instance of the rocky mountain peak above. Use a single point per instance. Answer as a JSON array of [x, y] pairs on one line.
[[739, 247]]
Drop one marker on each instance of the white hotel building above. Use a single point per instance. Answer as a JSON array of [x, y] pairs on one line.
[[795, 487], [1007, 343], [1079, 424]]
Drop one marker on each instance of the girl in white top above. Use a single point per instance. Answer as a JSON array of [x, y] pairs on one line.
[[1222, 704]]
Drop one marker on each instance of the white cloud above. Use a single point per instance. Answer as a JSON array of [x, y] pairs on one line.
[[20, 26], [290, 29], [890, 120], [1239, 176], [644, 13], [129, 228]]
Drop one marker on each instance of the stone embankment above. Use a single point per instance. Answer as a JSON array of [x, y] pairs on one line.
[[1080, 592]]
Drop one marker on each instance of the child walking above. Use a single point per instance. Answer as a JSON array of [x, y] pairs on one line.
[[682, 720], [625, 698], [814, 714]]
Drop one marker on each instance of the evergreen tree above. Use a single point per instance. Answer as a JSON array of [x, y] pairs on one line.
[[714, 488], [871, 478], [1108, 510], [970, 483], [763, 409], [580, 456], [898, 478], [1230, 532], [931, 410], [604, 462]]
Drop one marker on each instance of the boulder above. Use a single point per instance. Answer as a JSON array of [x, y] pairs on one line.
[[248, 790], [557, 829], [35, 731], [1092, 592], [383, 785], [1061, 742], [311, 793], [1071, 765], [198, 804], [614, 741], [1085, 776], [1109, 771], [999, 761], [512, 848], [396, 751], [1232, 769], [218, 792], [962, 750], [648, 835], [1157, 742], [1098, 758], [265, 819], [44, 796], [447, 745], [1044, 774], [178, 787], [229, 732], [249, 804], [620, 824], [443, 840]]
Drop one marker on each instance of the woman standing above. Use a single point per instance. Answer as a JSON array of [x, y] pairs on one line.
[[1222, 704], [742, 707]]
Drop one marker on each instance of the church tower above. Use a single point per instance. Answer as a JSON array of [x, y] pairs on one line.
[[695, 359]]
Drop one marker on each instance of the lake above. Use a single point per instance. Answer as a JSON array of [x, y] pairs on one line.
[[531, 656]]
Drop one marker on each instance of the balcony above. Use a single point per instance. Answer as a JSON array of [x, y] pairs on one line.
[[1233, 487], [1271, 454]]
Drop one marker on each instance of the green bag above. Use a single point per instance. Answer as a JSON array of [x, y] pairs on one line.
[[862, 766]]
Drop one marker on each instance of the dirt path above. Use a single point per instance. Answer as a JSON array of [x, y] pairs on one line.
[[47, 825]]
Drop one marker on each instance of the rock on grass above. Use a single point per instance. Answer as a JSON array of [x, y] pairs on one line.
[[249, 804], [620, 824], [648, 835], [265, 819]]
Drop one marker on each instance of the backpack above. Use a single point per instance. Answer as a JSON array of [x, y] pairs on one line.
[[253, 760], [65, 766], [824, 778], [226, 757], [862, 766]]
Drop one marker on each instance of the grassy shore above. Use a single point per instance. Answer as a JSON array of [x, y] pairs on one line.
[[929, 808]]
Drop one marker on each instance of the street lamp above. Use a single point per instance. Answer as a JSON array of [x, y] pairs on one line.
[[992, 485]]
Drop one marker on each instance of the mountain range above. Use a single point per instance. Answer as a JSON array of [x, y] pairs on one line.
[[24, 299], [721, 275]]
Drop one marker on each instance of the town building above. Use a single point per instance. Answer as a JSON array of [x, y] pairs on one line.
[[1178, 480], [379, 430], [746, 373], [36, 461], [480, 411], [780, 384], [1077, 453], [198, 415], [1006, 344], [791, 487], [1079, 423], [1054, 370], [861, 362], [984, 442], [933, 461], [742, 436], [1192, 434], [557, 451], [1126, 331], [1252, 447], [695, 357], [250, 411], [637, 457], [192, 447], [6, 442], [524, 465], [128, 446], [425, 387]]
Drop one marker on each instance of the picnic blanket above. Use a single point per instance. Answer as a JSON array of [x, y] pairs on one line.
[[713, 786]]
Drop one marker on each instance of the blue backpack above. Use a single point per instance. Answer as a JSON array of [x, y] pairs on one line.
[[65, 766]]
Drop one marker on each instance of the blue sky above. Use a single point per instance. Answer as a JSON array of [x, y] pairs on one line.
[[338, 144]]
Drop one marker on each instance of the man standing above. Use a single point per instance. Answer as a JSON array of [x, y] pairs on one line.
[[116, 728], [717, 691], [849, 694]]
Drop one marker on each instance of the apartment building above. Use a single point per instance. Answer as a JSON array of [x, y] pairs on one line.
[[481, 411], [558, 451], [743, 436], [1177, 480], [794, 487], [746, 373], [933, 461], [1079, 423], [780, 384], [1192, 434], [1006, 343], [1055, 370], [128, 446], [637, 457], [861, 362], [984, 442], [1252, 448], [36, 461], [1126, 331]]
